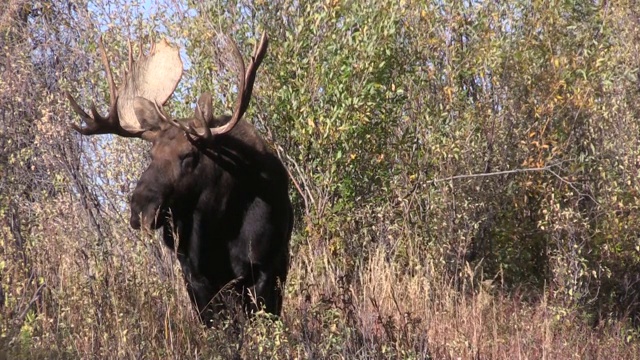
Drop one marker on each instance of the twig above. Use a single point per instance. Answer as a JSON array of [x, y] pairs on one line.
[[570, 184], [19, 320], [548, 168], [34, 298], [496, 173], [386, 326], [309, 196], [295, 183]]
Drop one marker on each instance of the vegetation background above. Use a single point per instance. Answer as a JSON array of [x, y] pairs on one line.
[[467, 178]]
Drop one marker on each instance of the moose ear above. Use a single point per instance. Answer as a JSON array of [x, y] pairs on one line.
[[204, 108], [147, 113]]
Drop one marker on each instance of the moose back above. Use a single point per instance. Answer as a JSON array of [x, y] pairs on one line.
[[215, 188]]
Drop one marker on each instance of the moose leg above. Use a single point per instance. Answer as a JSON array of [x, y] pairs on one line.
[[201, 294], [267, 294], [280, 281], [258, 294], [279, 277], [260, 256], [266, 291]]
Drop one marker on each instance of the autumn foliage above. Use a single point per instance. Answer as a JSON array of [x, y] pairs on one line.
[[466, 179]]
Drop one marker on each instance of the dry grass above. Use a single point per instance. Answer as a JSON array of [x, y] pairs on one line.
[[74, 296]]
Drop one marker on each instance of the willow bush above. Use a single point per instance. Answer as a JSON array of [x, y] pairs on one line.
[[373, 103], [465, 178]]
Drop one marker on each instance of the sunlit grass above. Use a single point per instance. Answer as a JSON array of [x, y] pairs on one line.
[[125, 298]]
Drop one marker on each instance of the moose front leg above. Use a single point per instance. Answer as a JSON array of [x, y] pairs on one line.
[[201, 293], [265, 294]]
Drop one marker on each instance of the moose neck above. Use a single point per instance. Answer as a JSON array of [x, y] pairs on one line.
[[232, 171], [244, 155]]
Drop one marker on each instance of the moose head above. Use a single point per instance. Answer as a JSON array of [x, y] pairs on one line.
[[212, 180]]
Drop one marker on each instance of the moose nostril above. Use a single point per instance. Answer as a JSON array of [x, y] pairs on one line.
[[135, 221]]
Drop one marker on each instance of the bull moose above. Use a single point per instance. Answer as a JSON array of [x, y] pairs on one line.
[[214, 186]]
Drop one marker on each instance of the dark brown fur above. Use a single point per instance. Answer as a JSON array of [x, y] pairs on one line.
[[226, 206]]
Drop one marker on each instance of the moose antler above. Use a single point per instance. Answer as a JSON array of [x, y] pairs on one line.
[[153, 76], [246, 79]]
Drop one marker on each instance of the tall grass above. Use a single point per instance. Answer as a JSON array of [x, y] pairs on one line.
[[71, 295]]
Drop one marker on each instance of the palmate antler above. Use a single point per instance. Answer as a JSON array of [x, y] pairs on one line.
[[246, 79], [153, 76]]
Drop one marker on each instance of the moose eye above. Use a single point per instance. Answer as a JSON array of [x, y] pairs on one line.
[[189, 161]]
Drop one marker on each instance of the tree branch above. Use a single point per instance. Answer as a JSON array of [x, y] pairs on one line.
[[548, 168], [496, 173]]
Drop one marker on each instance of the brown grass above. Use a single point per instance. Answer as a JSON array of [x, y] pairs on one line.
[[123, 297]]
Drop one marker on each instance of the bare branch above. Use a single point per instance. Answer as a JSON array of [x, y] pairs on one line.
[[548, 168], [496, 173]]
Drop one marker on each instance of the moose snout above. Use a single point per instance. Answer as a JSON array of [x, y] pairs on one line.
[[134, 221], [148, 217], [145, 208], [136, 215]]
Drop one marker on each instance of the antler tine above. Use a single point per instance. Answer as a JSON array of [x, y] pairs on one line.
[[260, 48], [140, 46], [207, 131], [241, 86], [112, 85], [83, 114], [95, 123], [246, 78], [130, 54], [161, 112], [163, 116], [259, 52], [95, 120]]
